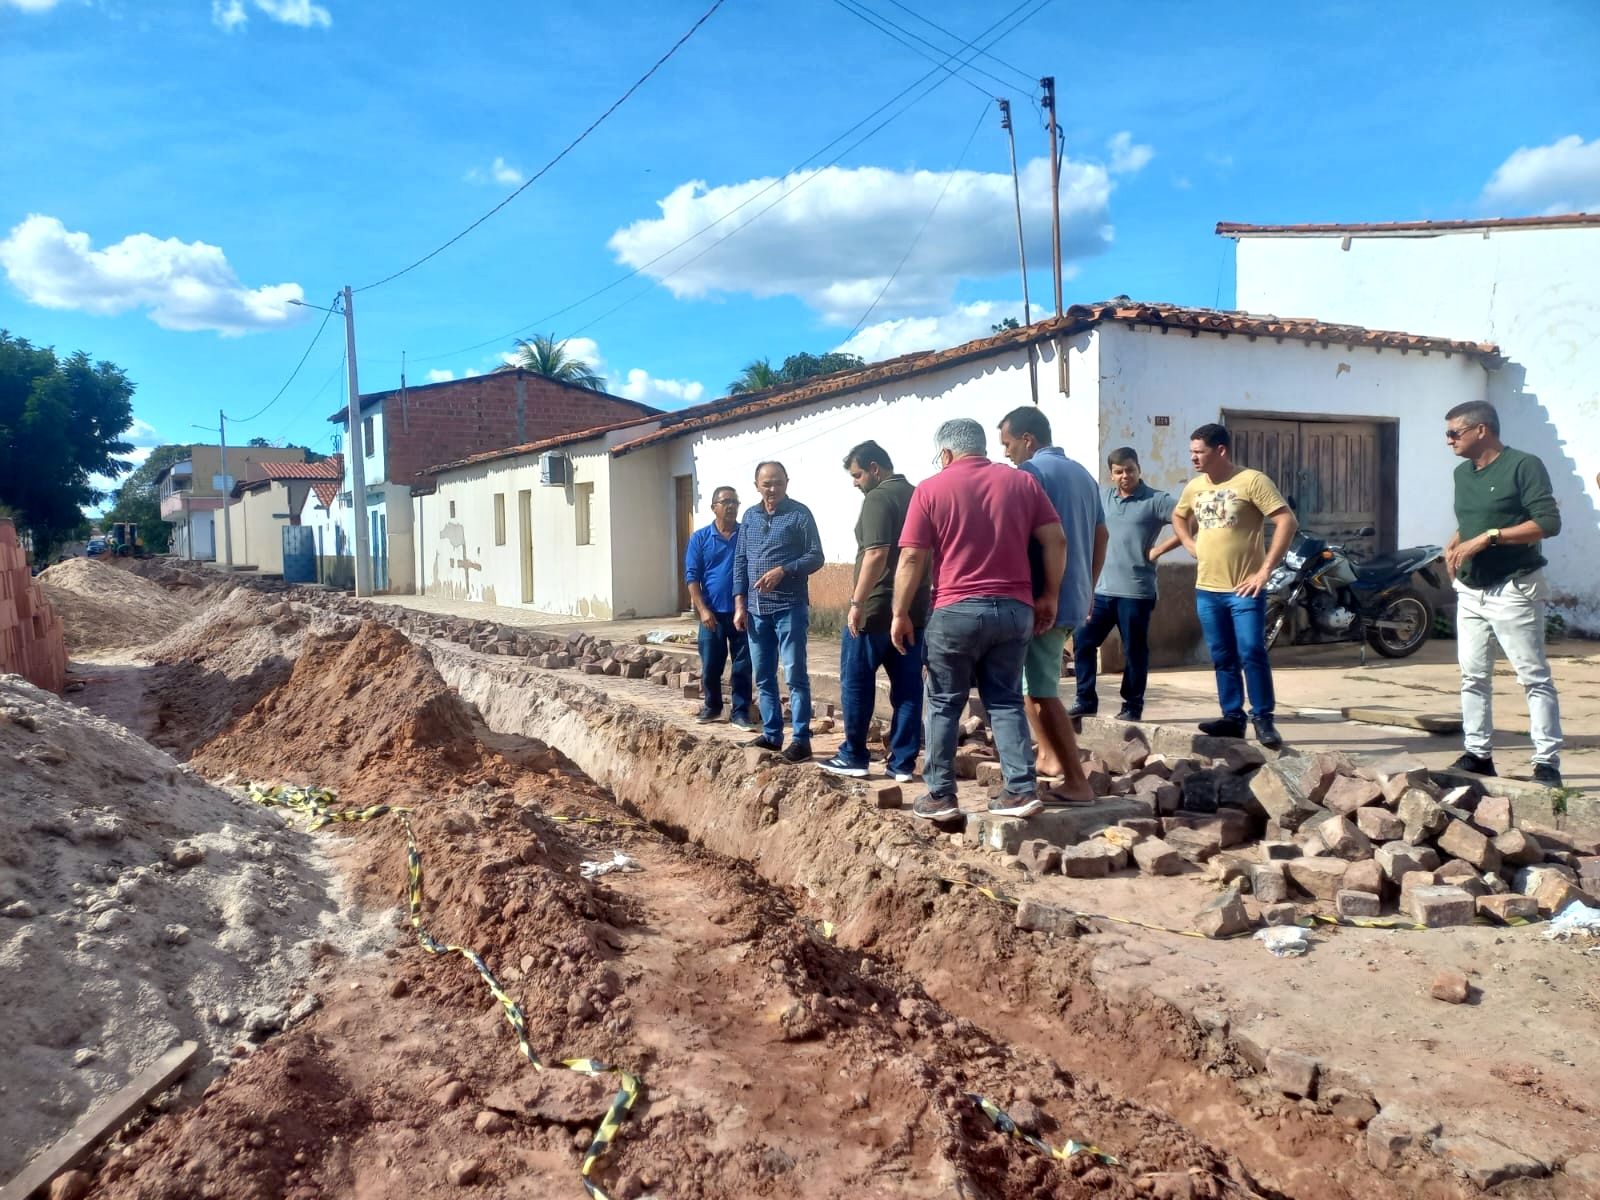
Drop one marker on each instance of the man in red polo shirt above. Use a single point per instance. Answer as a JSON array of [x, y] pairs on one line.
[[974, 521]]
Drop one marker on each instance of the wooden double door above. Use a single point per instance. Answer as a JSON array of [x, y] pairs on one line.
[[1336, 475]]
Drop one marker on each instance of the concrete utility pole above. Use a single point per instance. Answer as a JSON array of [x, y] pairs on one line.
[[354, 452], [227, 489], [1022, 253], [1048, 83]]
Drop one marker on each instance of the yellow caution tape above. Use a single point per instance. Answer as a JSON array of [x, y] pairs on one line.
[[314, 803], [1002, 1122]]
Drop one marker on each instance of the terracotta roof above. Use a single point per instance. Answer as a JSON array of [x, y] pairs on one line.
[[325, 493], [327, 469], [1560, 221], [549, 443], [1076, 319]]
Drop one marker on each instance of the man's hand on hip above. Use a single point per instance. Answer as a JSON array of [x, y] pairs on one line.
[[1253, 585]]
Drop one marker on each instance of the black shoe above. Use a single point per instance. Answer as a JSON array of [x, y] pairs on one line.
[[797, 752], [1543, 774], [1267, 733], [705, 716], [1473, 764], [1129, 714], [1222, 727], [763, 742], [1080, 709]]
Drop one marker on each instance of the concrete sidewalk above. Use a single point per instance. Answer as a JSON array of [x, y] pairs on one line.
[[1315, 687]]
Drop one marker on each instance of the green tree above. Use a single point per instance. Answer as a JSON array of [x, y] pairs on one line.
[[258, 441], [757, 376], [760, 375], [548, 357], [1003, 326], [61, 423], [139, 498]]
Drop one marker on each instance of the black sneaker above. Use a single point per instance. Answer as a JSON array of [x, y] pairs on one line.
[[1007, 805], [1474, 765], [1543, 774], [1080, 709], [763, 742], [741, 721], [1222, 727], [1267, 733], [1129, 714], [705, 716], [936, 808], [840, 765], [797, 752]]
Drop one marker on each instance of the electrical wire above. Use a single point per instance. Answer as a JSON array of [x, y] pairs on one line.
[[1032, 80], [306, 407], [540, 322], [328, 312], [923, 228], [570, 146], [884, 26]]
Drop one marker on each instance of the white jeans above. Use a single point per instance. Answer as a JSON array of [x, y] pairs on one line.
[[1512, 613]]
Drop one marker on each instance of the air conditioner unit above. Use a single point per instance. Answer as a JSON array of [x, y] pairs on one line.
[[555, 469]]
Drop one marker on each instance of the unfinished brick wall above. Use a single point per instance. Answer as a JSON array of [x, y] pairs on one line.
[[442, 422], [31, 640]]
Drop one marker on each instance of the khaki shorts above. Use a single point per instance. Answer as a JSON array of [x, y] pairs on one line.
[[1041, 670]]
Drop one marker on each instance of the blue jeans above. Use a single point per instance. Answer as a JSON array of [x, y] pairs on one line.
[[1130, 617], [982, 642], [782, 635], [859, 660], [1236, 633], [715, 647]]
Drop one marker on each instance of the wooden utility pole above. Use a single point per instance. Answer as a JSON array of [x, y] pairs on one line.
[[1048, 83], [354, 456], [1022, 253]]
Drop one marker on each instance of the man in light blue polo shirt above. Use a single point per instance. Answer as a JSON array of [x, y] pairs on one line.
[[708, 570], [1136, 518], [1025, 434]]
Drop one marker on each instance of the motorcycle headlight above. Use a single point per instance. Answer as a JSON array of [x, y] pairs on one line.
[[1293, 561]]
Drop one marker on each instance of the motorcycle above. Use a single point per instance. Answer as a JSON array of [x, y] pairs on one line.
[[1319, 593]]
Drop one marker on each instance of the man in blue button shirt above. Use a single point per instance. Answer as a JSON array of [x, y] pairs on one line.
[[778, 550], [708, 570]]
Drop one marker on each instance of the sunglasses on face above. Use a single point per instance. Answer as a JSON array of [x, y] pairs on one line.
[[1455, 435], [726, 503]]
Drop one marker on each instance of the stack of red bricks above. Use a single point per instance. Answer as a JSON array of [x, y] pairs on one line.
[[31, 641]]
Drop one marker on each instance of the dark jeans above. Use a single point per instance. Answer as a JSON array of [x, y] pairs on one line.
[[775, 636], [859, 660], [715, 647], [982, 642], [1131, 618], [1236, 633]]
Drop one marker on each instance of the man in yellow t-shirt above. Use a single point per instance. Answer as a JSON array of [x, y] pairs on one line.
[[1219, 518]]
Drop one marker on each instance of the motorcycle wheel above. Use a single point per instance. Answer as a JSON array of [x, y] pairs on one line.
[[1277, 622], [1417, 614]]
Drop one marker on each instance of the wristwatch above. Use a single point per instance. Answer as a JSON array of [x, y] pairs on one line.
[[855, 604], [1494, 537]]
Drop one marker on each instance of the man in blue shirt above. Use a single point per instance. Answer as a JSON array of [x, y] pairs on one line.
[[778, 550], [708, 570], [1025, 434], [1136, 518]]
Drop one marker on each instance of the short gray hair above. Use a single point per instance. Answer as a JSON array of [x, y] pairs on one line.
[[962, 436]]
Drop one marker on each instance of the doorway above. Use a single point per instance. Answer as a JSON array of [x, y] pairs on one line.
[[683, 508], [525, 542]]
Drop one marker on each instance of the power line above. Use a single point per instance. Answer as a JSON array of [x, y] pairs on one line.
[[748, 200], [923, 228], [570, 146], [885, 26], [304, 408], [1032, 80], [328, 312]]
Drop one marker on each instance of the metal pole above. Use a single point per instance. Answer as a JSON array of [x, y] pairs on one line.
[[1048, 83], [354, 450], [1022, 253], [227, 491]]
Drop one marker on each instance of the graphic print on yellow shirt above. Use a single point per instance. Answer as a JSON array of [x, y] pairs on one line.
[[1229, 517]]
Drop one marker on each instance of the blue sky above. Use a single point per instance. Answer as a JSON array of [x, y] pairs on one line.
[[177, 169]]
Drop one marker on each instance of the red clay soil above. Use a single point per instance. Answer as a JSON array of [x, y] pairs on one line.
[[775, 1063]]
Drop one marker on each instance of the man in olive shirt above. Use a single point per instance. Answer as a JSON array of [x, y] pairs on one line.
[[865, 646], [1504, 509]]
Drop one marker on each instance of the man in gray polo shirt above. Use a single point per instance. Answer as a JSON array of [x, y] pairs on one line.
[[1136, 517]]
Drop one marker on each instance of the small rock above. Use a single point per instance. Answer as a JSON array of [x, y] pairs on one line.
[[464, 1171], [1027, 1116], [176, 935], [1439, 905], [1223, 917], [70, 1185], [1508, 907], [303, 1008], [1039, 856], [398, 986], [1280, 914], [489, 1121], [1350, 903], [1155, 857], [1045, 918], [110, 919], [1293, 1073], [1450, 986], [85, 1056], [1485, 1161], [186, 855], [21, 910], [450, 1094]]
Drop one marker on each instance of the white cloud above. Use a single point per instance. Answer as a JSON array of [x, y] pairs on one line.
[[232, 16], [644, 387], [1561, 177], [440, 376], [185, 285], [142, 434], [902, 335], [1182, 182], [836, 238], [500, 171], [1126, 156], [30, 5]]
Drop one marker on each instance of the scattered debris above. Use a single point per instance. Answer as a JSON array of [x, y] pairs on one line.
[[617, 862], [1284, 941]]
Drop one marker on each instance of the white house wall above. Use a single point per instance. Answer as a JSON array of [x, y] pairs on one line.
[[1534, 292], [1193, 380]]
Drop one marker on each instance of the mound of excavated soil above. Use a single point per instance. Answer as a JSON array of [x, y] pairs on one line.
[[107, 608], [139, 906], [365, 713]]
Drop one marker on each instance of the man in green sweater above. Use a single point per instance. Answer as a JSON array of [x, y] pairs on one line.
[[1504, 509]]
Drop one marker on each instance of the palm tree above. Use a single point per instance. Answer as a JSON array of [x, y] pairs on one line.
[[548, 357], [757, 376]]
